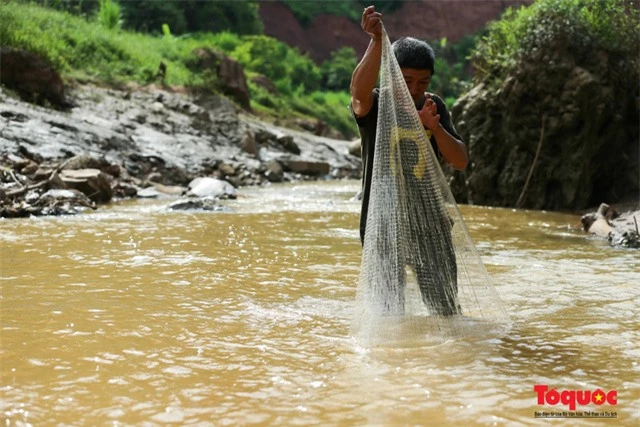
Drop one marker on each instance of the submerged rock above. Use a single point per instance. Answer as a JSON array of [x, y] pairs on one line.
[[201, 204]]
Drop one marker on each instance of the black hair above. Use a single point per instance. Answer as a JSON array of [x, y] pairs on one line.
[[414, 53]]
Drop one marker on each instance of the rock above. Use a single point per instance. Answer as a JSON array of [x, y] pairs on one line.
[[306, 167], [82, 161], [53, 202], [157, 107], [211, 187], [202, 204], [170, 190], [288, 144], [33, 78], [148, 193], [235, 181], [598, 223], [249, 145], [230, 74], [227, 169], [355, 148], [124, 190], [274, 172], [87, 161], [618, 229], [218, 104], [91, 182], [264, 137], [69, 196]]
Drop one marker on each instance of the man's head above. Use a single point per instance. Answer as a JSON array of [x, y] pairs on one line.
[[416, 60]]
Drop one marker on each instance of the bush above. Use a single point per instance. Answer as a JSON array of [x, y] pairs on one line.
[[283, 65], [337, 70], [88, 51], [585, 25]]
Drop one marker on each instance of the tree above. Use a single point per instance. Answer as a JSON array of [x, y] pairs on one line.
[[336, 71], [149, 15], [240, 17], [187, 16]]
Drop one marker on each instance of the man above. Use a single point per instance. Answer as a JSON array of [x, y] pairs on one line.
[[416, 59]]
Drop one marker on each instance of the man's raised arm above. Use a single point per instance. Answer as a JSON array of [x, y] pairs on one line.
[[365, 75]]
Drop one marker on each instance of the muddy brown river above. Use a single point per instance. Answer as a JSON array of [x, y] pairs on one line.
[[133, 315]]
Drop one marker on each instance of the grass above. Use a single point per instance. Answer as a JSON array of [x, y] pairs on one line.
[[83, 50]]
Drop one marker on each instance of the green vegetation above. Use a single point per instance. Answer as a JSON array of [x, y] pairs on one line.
[[453, 68], [84, 49], [182, 16], [586, 25], [305, 11], [338, 68], [109, 14], [92, 41]]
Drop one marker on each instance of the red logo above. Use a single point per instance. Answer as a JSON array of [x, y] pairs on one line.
[[574, 397]]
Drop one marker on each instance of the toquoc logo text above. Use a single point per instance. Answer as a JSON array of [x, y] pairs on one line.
[[573, 397]]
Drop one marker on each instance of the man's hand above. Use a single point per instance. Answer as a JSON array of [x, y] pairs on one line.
[[429, 114], [372, 22]]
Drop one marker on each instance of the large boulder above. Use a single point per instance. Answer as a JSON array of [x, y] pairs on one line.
[[559, 132], [91, 182], [229, 72], [33, 78]]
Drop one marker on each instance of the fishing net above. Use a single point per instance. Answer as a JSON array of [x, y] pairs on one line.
[[420, 271]]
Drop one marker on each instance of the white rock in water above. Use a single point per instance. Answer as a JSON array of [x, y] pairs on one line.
[[211, 187], [148, 193]]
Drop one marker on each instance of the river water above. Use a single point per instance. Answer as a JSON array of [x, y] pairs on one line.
[[132, 315]]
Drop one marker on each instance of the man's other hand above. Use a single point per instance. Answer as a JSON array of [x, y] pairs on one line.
[[429, 114]]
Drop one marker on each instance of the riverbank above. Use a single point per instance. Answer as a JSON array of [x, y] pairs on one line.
[[148, 142], [151, 142]]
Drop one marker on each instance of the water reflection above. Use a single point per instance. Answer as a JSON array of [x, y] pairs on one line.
[[139, 316]]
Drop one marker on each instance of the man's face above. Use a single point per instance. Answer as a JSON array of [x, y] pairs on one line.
[[417, 81]]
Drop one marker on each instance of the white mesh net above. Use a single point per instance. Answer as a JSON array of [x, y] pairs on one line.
[[421, 274]]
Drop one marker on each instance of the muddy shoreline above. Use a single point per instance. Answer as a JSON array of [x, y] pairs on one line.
[[149, 142]]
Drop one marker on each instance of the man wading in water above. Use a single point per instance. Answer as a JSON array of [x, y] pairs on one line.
[[437, 280]]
